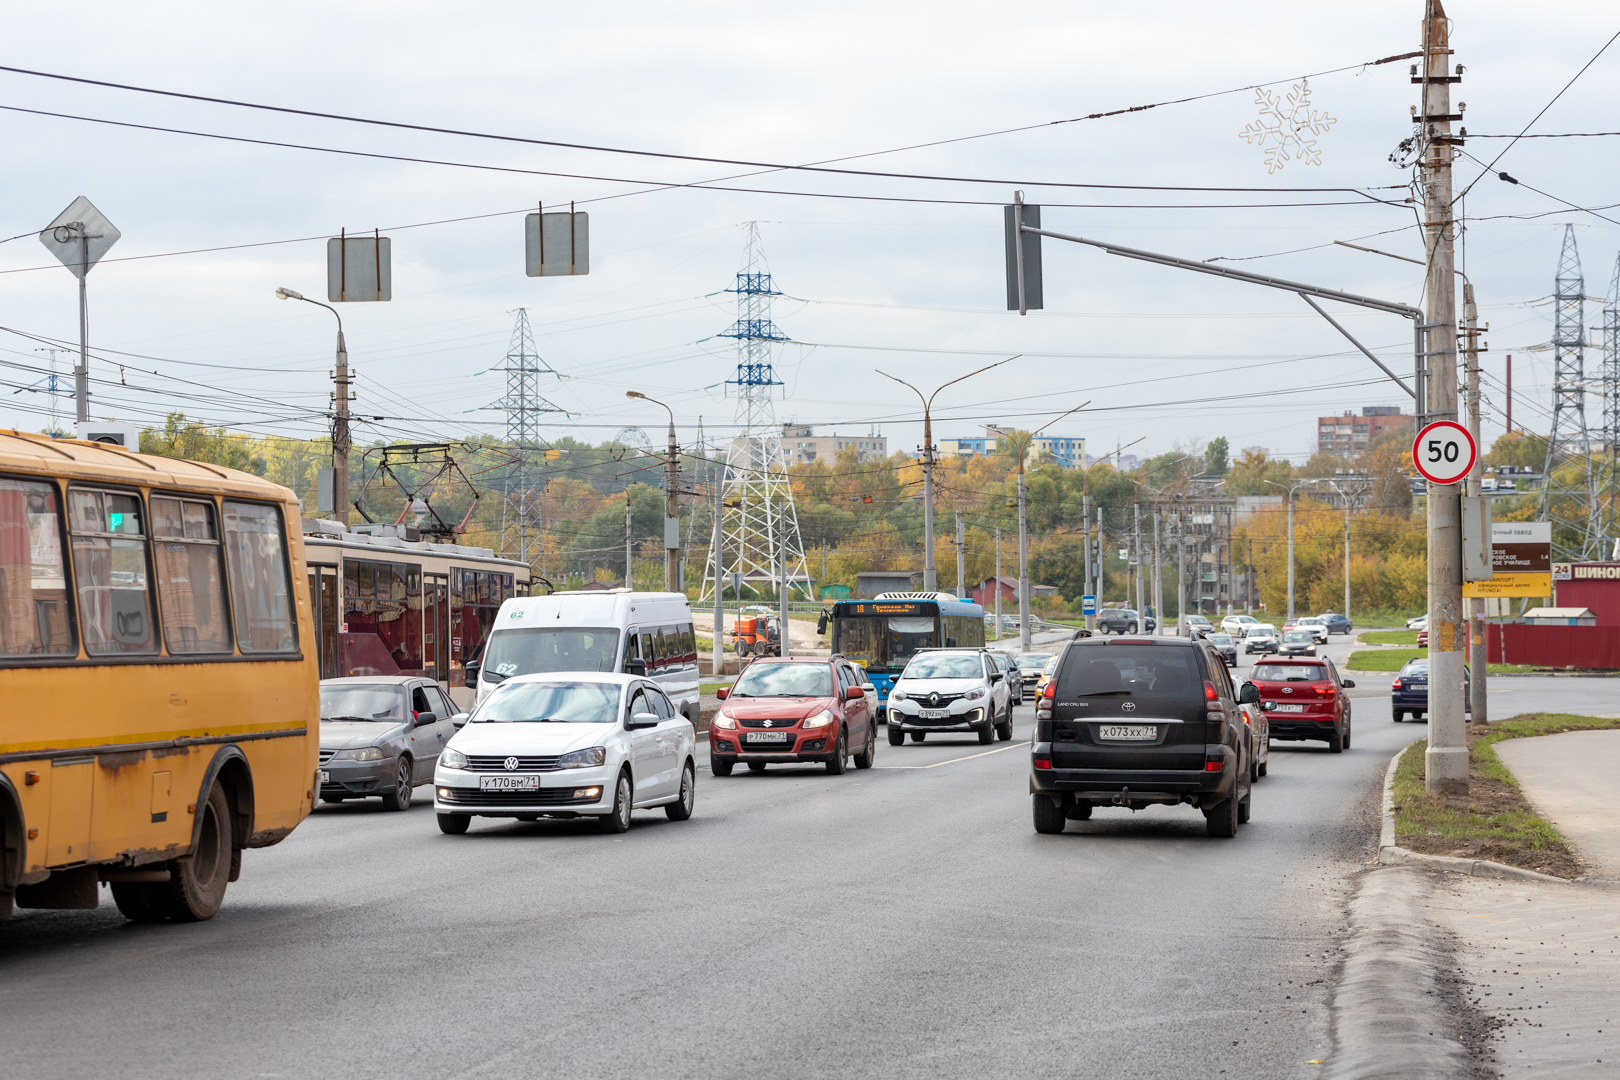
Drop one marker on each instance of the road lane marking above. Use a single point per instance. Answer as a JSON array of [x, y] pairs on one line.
[[953, 761]]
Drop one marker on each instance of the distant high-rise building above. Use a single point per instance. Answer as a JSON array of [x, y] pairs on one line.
[[1349, 435]]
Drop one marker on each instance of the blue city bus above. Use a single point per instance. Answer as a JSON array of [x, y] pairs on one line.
[[884, 633]]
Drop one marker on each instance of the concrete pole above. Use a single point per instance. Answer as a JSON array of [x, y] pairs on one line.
[[930, 578], [961, 581], [998, 584], [782, 577], [340, 433], [81, 374], [719, 592], [672, 513], [1136, 539], [1085, 536], [1023, 561], [629, 562], [1290, 496], [1181, 570], [1102, 576], [1446, 761], [1158, 574], [1476, 606]]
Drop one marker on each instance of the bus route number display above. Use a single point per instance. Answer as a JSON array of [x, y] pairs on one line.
[[1444, 452]]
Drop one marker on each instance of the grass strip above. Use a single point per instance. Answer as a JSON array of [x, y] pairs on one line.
[[1389, 637], [1494, 820], [1392, 660]]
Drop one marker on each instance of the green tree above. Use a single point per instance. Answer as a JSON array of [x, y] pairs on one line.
[[179, 438], [1217, 457]]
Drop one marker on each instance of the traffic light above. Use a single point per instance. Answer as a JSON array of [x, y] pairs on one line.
[[1031, 249]]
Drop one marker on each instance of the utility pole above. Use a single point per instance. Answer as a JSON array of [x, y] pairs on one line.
[[1181, 568], [340, 413], [961, 581], [719, 591], [1158, 574], [672, 513], [1023, 561], [998, 584], [1446, 761], [1102, 576], [782, 589], [1248, 596], [1475, 608], [1136, 537], [628, 563], [1085, 539]]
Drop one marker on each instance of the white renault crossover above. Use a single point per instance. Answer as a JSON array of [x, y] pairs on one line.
[[568, 745], [951, 690]]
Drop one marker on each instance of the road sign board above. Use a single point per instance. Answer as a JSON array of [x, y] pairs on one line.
[[1521, 558], [79, 236], [359, 268], [1444, 452], [557, 243], [1088, 605]]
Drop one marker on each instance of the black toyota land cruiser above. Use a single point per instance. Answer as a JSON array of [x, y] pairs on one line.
[[1136, 721]]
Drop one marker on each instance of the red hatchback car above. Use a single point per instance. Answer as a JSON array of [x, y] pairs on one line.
[[788, 711], [1304, 698]]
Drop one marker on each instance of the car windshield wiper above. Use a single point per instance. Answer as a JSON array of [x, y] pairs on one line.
[[494, 676], [364, 718]]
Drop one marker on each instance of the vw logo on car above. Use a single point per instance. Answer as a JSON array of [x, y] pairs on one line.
[[511, 764]]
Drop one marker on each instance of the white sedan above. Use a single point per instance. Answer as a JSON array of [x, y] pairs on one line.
[[568, 745], [1317, 627], [1238, 625]]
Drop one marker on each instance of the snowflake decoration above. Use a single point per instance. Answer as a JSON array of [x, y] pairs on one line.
[[1283, 126]]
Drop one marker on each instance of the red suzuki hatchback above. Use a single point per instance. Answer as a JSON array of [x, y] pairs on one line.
[[1304, 698], [788, 711]]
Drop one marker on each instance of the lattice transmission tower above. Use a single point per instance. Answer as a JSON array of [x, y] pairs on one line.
[[758, 516], [1569, 480], [1609, 486], [522, 519]]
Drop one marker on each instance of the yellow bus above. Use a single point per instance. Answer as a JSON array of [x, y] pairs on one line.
[[160, 704]]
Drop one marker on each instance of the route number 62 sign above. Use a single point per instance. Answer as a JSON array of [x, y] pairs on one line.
[[1444, 452]]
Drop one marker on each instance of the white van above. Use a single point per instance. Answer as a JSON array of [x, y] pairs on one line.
[[638, 633]]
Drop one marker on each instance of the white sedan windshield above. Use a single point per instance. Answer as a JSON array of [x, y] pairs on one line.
[[944, 667], [553, 702]]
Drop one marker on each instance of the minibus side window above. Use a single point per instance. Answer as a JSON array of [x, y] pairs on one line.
[[109, 564], [256, 554], [191, 579], [36, 614]]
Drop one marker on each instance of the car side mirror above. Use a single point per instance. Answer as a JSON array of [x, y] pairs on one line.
[[854, 692], [821, 624], [637, 666], [1349, 684], [470, 670], [423, 719], [996, 676], [723, 693], [460, 719], [1249, 694], [644, 719]]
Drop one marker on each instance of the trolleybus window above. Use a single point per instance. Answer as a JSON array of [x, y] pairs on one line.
[[109, 562], [36, 617], [257, 553], [191, 581]]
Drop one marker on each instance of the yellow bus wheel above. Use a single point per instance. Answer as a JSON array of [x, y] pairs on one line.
[[197, 887]]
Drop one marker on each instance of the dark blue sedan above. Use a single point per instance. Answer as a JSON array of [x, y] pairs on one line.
[[1409, 693]]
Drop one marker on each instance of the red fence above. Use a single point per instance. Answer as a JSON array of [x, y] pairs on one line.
[[1553, 646]]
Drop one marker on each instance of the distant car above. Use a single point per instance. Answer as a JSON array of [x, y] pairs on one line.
[[1015, 675], [1237, 624], [1304, 699], [1224, 645], [1409, 693], [950, 690], [1123, 621], [1317, 627], [1336, 623], [568, 745], [1419, 623], [1046, 675], [787, 711], [1423, 638], [380, 735], [1297, 643], [1030, 666], [1197, 626], [1260, 638]]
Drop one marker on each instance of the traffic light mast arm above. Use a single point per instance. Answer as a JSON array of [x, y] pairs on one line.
[[1304, 291]]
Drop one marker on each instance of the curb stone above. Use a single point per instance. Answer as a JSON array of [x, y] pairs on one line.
[[1391, 855]]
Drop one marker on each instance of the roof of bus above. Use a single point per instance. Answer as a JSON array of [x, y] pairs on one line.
[[78, 459], [914, 597], [608, 607]]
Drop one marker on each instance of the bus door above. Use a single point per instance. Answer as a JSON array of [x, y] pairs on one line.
[[436, 625], [323, 597]]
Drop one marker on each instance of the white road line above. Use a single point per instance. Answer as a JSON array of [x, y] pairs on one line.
[[953, 761]]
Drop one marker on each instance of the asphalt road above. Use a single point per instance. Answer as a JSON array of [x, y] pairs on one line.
[[903, 921]]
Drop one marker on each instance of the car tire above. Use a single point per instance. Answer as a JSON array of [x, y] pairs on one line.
[[681, 808], [719, 767], [1399, 715], [196, 885], [919, 736], [1261, 768], [454, 824], [1254, 769], [1004, 731], [1048, 818], [897, 737], [987, 734], [756, 766], [865, 758], [140, 901], [618, 820], [840, 759], [1221, 820], [1347, 733], [1335, 743], [1130, 628], [1244, 808], [400, 797]]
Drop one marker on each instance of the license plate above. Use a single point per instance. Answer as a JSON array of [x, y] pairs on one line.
[[934, 714], [767, 736], [1128, 732], [326, 777], [508, 783], [1289, 708]]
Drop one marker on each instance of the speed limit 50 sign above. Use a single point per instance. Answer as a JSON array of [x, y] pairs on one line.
[[1444, 452]]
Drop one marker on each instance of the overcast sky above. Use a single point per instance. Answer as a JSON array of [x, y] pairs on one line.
[[912, 288]]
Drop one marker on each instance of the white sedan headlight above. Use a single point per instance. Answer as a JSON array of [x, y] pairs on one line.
[[721, 720], [583, 759], [821, 719], [453, 759], [974, 694], [897, 695]]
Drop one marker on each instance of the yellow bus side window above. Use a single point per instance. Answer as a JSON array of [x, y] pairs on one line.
[[256, 554], [109, 563], [36, 614], [191, 586]]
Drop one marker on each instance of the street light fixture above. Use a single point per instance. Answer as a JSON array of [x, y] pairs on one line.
[[930, 579], [1291, 488], [1023, 531], [340, 416], [672, 566]]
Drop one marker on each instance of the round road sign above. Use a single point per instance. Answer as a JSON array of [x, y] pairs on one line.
[[1444, 452]]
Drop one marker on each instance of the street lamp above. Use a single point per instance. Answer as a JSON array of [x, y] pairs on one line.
[[672, 566], [1023, 530], [930, 580], [340, 416], [1291, 488]]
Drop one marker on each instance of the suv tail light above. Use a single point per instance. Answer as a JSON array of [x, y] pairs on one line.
[[1043, 704], [1396, 685], [1209, 691]]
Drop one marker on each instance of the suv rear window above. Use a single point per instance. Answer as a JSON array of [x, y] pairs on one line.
[[1288, 673], [1135, 671]]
